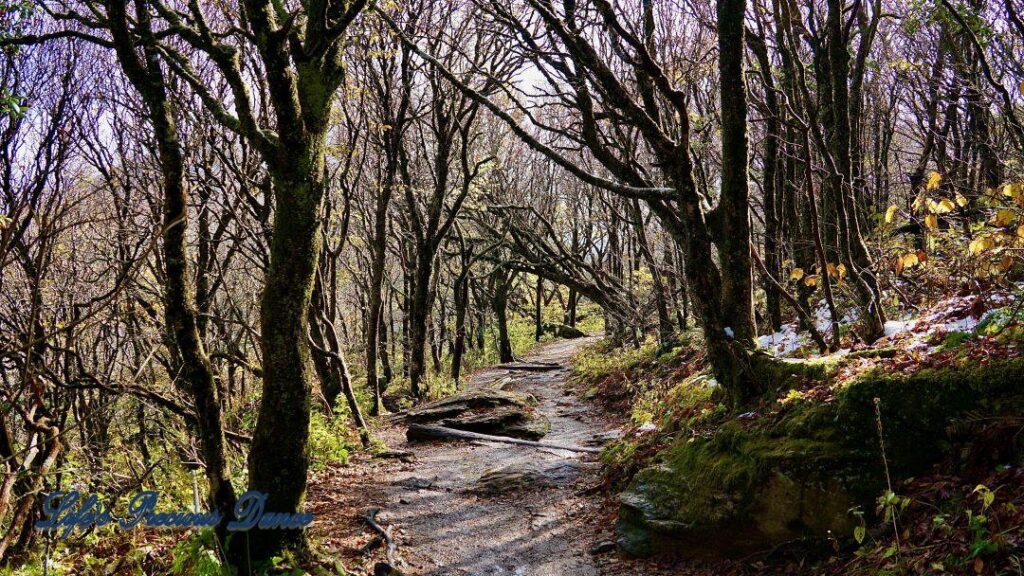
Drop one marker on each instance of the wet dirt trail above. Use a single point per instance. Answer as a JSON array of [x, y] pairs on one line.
[[444, 526]]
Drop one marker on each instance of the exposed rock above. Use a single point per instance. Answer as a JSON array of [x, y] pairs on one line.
[[526, 474], [603, 438], [385, 569], [514, 422], [467, 400], [486, 411]]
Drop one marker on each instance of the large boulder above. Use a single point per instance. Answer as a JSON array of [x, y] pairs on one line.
[[733, 493], [796, 476]]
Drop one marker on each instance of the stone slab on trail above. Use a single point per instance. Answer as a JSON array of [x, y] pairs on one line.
[[525, 475], [486, 409], [513, 422]]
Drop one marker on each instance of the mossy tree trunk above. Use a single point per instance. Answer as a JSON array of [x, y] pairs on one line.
[[734, 237]]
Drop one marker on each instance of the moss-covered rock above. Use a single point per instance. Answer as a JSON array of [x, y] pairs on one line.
[[562, 330], [797, 474]]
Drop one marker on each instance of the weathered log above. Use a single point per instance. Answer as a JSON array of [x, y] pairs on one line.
[[531, 366], [428, 432]]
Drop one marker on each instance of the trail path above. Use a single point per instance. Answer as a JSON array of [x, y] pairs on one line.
[[444, 527]]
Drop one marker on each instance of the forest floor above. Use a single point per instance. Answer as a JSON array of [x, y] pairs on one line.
[[444, 526]]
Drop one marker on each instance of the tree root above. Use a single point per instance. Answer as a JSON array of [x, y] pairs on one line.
[[391, 547]]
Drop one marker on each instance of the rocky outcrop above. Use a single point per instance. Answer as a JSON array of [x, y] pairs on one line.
[[796, 475], [485, 411]]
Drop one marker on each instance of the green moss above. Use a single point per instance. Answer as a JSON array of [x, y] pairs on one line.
[[719, 475], [598, 362], [954, 340], [795, 473], [997, 320], [778, 373], [916, 409]]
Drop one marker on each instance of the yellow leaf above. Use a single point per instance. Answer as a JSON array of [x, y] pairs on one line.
[[934, 179], [796, 274], [910, 260], [890, 214], [1020, 231], [979, 245], [1005, 217], [1015, 191], [944, 206], [841, 270], [811, 280], [832, 270], [931, 221], [961, 201]]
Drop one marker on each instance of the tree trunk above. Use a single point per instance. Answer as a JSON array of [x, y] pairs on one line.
[[734, 244], [375, 306], [666, 335], [459, 344], [570, 308], [771, 188], [502, 286], [851, 240], [279, 455], [538, 320], [419, 316]]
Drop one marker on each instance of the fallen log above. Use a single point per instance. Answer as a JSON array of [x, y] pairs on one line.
[[530, 366], [429, 432]]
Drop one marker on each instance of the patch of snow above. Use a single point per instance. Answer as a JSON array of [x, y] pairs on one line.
[[894, 327], [963, 325], [645, 429], [785, 341]]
